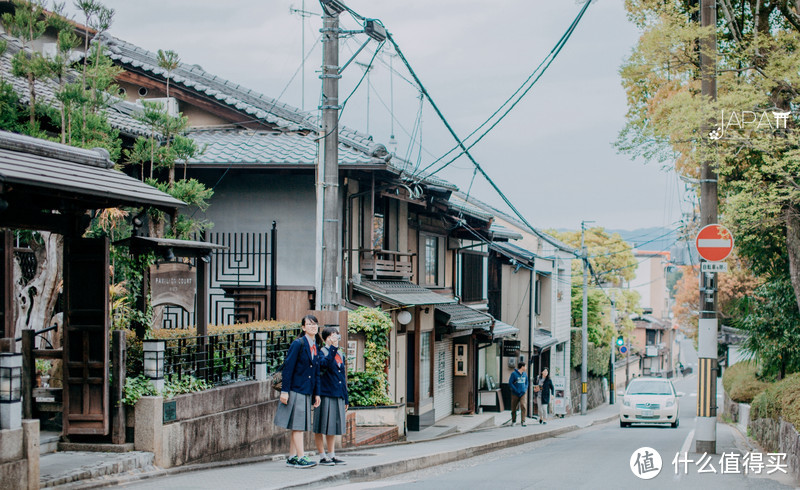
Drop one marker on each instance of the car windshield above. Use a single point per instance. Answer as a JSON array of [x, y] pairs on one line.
[[649, 388]]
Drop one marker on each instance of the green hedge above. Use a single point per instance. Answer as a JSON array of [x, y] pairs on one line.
[[741, 382], [779, 400]]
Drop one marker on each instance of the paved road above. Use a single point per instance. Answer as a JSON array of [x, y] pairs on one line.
[[596, 457]]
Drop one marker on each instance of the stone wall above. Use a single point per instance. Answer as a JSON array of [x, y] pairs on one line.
[[228, 422], [596, 396], [19, 456], [775, 436]]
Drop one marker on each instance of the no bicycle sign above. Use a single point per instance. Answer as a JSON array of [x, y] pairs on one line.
[[714, 243]]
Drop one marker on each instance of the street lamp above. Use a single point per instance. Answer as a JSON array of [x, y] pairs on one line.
[[154, 362], [260, 355], [10, 390]]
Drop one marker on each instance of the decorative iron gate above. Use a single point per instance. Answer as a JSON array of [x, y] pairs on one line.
[[248, 262]]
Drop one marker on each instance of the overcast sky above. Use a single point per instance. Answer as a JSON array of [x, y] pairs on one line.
[[552, 156]]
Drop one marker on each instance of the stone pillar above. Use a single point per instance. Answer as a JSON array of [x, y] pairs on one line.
[[149, 431], [30, 441]]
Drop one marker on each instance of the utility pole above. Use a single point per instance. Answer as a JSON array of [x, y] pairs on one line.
[[584, 325], [706, 429], [328, 171], [611, 388]]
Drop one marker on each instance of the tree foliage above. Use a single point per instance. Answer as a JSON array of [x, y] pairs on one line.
[[754, 151]]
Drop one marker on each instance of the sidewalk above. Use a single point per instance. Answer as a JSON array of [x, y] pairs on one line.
[[451, 439]]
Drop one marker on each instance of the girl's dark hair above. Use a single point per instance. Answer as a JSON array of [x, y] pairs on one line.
[[327, 332], [309, 318]]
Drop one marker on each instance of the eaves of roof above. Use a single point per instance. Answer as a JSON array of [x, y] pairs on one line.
[[234, 95]]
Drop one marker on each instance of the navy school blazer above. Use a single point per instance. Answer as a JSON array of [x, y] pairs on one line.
[[300, 370], [333, 377]]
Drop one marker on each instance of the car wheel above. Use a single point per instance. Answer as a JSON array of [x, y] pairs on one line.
[[676, 424], [624, 424]]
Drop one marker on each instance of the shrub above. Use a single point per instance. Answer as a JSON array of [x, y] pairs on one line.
[[741, 382], [779, 400], [370, 388]]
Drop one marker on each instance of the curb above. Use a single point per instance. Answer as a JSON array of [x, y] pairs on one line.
[[383, 470]]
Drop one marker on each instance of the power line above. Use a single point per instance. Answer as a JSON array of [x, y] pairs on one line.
[[510, 100]]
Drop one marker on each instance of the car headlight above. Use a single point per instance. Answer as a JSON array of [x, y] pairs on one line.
[[626, 402], [670, 403]]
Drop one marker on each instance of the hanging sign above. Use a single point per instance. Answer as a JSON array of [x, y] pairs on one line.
[[173, 283]]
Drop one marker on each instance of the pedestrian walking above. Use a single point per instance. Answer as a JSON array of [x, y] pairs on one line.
[[299, 390], [518, 382], [545, 390], [330, 417]]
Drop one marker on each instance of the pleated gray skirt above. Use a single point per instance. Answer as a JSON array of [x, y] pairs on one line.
[[295, 415], [329, 417]]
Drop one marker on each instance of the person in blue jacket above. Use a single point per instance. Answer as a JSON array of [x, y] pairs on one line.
[[299, 390], [329, 417], [518, 382]]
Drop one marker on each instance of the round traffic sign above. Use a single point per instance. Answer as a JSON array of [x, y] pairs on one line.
[[623, 349], [714, 242]]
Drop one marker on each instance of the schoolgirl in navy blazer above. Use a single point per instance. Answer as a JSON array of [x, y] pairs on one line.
[[300, 369], [333, 375]]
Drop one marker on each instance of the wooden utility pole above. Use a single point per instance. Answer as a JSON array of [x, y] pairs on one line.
[[706, 430], [328, 169]]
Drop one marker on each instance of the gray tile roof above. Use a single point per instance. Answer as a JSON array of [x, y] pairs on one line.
[[462, 317], [401, 293], [543, 339], [234, 95], [27, 162], [514, 252], [120, 114], [502, 329], [243, 147]]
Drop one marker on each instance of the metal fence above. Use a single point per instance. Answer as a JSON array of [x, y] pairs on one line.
[[224, 358], [246, 261]]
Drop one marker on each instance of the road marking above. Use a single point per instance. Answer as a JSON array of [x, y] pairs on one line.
[[688, 442]]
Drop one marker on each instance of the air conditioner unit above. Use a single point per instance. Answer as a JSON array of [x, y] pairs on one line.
[[170, 104], [651, 351]]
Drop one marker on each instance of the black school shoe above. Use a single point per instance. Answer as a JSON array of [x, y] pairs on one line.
[[326, 462], [337, 461]]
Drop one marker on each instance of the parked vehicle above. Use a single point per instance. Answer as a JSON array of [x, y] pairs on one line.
[[650, 401]]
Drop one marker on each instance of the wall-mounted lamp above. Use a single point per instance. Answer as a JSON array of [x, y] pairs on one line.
[[404, 317]]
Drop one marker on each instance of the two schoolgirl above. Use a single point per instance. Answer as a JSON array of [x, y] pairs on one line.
[[318, 379]]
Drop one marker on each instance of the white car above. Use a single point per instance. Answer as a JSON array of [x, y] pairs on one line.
[[649, 401]]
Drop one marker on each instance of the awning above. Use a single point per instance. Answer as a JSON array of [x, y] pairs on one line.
[[401, 293], [514, 252], [543, 339], [502, 329], [461, 317], [33, 166]]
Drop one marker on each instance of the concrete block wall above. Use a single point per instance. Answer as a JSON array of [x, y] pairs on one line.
[[228, 422]]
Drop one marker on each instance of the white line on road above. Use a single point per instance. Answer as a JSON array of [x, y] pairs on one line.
[[688, 442]]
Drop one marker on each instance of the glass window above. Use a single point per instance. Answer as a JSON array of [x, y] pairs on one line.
[[425, 365], [651, 337], [431, 260]]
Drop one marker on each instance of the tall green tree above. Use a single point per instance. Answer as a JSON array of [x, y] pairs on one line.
[[749, 132], [27, 23]]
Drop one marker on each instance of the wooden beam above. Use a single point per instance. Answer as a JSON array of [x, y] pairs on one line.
[[205, 102]]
